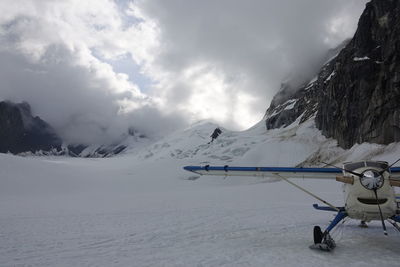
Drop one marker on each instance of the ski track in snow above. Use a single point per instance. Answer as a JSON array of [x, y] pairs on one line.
[[142, 209]]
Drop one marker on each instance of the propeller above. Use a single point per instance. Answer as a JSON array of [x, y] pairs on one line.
[[377, 201], [373, 180], [380, 212], [388, 167]]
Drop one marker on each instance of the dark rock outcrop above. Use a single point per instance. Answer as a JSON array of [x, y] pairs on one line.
[[361, 102], [101, 151], [298, 100], [355, 96], [21, 132]]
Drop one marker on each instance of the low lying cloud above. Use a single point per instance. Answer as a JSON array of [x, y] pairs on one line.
[[84, 103], [48, 58]]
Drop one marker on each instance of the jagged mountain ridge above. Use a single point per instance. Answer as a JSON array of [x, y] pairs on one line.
[[354, 96]]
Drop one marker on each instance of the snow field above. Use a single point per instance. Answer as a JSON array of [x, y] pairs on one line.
[[142, 209]]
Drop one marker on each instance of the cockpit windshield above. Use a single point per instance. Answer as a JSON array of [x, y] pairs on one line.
[[351, 166]]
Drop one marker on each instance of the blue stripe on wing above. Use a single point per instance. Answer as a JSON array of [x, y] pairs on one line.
[[395, 169]]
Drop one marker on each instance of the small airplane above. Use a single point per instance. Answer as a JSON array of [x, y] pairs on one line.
[[368, 188]]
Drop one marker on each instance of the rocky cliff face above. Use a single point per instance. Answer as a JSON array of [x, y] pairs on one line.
[[21, 132], [355, 97], [300, 102]]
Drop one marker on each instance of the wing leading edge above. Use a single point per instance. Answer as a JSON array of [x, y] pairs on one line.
[[286, 172]]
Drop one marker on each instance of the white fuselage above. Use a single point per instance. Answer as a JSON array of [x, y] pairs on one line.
[[361, 203]]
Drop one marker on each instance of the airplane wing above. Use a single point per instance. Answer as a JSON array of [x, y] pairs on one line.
[[285, 172]]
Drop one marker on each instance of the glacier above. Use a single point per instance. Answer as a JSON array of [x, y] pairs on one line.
[[141, 208]]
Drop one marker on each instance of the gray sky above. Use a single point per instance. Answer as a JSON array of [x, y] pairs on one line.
[[93, 68]]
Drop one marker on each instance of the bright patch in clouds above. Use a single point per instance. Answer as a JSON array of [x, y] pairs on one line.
[[210, 94], [94, 68]]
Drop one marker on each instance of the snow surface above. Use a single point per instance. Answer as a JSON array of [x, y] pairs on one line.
[[142, 209], [330, 76], [290, 104], [313, 80], [361, 58]]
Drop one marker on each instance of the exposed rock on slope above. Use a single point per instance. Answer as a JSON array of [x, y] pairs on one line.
[[293, 102], [21, 132], [355, 97], [361, 103]]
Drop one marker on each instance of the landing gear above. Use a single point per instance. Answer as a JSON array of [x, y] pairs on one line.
[[323, 240], [318, 235], [393, 221]]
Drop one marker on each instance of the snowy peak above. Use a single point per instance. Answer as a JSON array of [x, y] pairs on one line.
[[252, 147]]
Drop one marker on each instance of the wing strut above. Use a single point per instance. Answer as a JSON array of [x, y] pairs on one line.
[[306, 191]]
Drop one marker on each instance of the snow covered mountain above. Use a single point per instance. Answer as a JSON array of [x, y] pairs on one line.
[[299, 144]]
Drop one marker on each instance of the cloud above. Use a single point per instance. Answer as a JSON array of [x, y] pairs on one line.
[[248, 47], [191, 60], [48, 58]]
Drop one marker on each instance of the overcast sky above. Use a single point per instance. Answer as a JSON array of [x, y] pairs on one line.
[[93, 68]]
